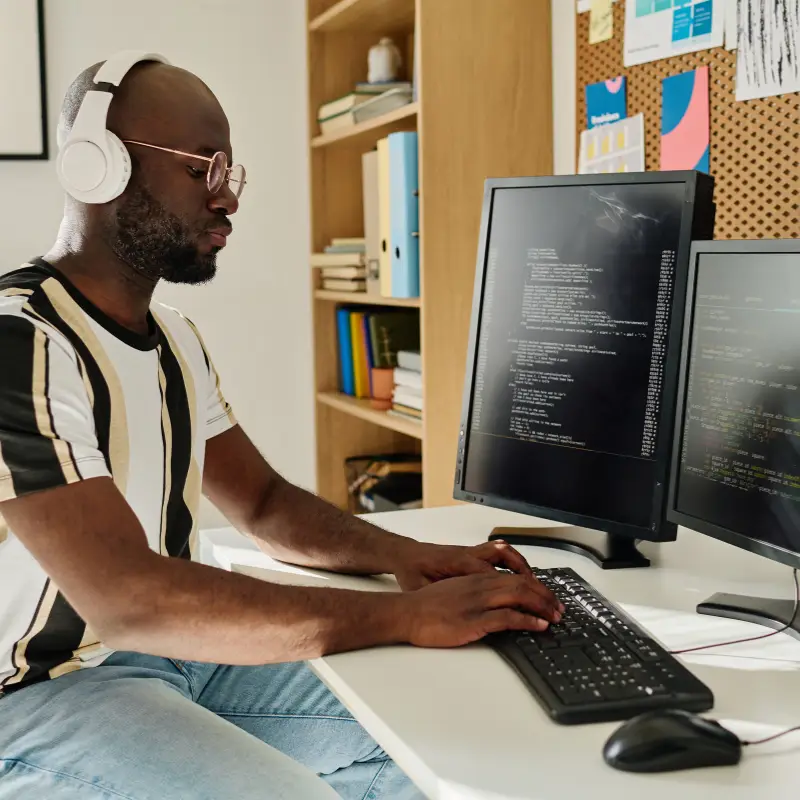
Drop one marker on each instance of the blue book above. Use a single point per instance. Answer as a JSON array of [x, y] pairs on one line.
[[404, 203], [347, 373]]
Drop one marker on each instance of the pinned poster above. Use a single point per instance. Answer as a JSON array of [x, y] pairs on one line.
[[605, 102], [601, 21], [685, 122], [657, 29], [768, 61], [617, 147], [731, 24]]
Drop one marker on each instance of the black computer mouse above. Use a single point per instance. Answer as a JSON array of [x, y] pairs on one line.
[[661, 741]]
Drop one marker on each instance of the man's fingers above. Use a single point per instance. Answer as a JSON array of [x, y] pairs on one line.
[[506, 619], [526, 596], [502, 554]]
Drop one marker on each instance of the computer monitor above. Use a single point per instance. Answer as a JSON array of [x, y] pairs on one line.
[[573, 355], [736, 457]]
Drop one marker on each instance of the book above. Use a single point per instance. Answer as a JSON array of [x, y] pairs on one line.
[[343, 285], [337, 260], [409, 359], [392, 331], [379, 88], [398, 410], [408, 378], [344, 272], [342, 105], [381, 104], [360, 364], [345, 248], [346, 241], [404, 398], [346, 372]]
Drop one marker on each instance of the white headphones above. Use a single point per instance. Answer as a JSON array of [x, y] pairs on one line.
[[93, 165]]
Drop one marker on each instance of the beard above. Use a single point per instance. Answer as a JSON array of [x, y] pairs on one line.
[[156, 243]]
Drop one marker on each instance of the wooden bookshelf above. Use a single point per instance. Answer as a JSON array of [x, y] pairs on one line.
[[377, 127], [363, 410], [378, 16], [363, 299], [483, 110]]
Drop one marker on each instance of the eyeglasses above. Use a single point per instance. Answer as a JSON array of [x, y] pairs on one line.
[[218, 173]]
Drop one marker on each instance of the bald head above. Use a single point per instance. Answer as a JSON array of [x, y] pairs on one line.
[[153, 103]]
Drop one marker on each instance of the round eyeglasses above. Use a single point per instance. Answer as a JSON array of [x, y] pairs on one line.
[[218, 174]]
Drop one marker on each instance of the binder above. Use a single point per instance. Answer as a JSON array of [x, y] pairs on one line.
[[372, 220], [345, 351], [385, 221], [404, 209]]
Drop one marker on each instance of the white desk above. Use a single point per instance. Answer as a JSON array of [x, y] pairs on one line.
[[462, 724]]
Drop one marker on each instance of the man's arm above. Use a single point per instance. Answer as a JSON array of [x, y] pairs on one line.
[[289, 523], [89, 541]]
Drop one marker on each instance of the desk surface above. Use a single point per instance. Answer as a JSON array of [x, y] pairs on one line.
[[462, 724]]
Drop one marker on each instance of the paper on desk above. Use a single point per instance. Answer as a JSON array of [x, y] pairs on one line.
[[617, 147], [288, 575], [768, 61], [601, 21]]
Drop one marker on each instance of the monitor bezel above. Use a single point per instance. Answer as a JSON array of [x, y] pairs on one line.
[[744, 542], [660, 528]]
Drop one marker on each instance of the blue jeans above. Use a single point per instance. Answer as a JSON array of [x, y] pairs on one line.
[[144, 728]]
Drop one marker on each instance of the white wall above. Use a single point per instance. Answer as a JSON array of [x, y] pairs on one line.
[[564, 89], [256, 316]]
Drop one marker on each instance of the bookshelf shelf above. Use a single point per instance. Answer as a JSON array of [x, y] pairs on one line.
[[363, 299], [363, 410], [399, 115], [365, 15]]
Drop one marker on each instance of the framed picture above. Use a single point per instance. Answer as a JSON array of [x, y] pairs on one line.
[[23, 97]]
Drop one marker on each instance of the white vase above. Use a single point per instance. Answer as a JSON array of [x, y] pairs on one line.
[[384, 61]]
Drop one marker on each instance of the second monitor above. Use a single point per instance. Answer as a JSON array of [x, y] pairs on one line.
[[573, 355]]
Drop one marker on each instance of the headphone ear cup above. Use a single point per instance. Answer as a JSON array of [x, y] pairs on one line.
[[119, 168]]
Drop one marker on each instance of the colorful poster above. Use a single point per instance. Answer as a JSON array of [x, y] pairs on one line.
[[656, 29], [601, 21], [768, 61], [605, 102], [618, 147], [685, 126]]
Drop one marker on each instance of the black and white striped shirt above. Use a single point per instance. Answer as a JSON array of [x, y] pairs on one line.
[[83, 397]]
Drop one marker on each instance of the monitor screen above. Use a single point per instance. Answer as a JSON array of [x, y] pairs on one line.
[[739, 443], [570, 349]]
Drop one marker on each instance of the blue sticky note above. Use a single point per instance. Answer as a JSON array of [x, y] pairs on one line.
[[703, 18], [605, 102], [663, 5], [682, 24]]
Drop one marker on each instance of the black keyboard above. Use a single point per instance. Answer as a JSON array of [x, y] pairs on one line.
[[597, 665]]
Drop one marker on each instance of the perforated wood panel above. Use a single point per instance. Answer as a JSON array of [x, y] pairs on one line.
[[755, 145]]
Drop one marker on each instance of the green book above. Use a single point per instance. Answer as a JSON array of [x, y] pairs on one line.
[[391, 331]]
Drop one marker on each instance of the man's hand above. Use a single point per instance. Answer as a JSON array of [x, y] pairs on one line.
[[458, 611], [422, 564]]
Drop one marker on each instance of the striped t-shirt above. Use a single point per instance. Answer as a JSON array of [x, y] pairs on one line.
[[82, 397]]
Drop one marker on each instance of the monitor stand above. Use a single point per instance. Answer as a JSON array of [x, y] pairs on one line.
[[765, 611], [607, 550]]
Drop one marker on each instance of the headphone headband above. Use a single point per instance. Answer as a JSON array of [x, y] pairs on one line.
[[93, 165]]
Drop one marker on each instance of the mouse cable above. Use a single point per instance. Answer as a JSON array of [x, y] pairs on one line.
[[773, 737], [753, 638]]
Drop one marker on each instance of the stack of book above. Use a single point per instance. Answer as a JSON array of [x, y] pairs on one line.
[[366, 101], [342, 265], [407, 395], [370, 341]]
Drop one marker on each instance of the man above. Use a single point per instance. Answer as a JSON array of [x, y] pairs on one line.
[[127, 668]]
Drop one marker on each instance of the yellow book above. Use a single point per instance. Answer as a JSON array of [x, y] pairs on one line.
[[359, 354], [384, 194]]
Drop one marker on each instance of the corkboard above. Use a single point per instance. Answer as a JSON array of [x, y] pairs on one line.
[[755, 145]]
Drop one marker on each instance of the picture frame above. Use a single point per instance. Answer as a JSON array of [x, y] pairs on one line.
[[23, 81]]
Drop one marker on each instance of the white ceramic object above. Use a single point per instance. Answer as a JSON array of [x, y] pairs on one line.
[[384, 61]]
